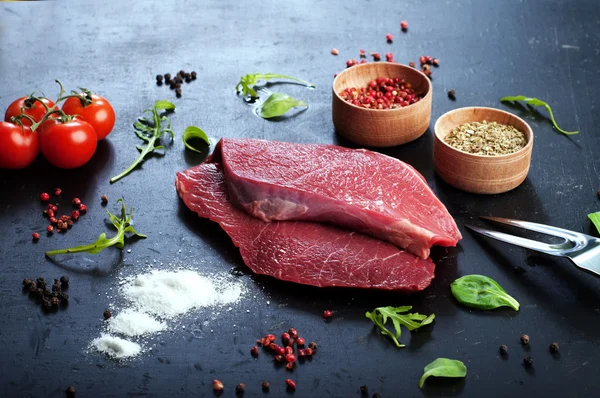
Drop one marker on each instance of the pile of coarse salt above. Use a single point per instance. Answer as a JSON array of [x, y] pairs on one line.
[[162, 294]]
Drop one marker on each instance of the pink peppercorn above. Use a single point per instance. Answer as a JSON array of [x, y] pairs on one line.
[[404, 25]]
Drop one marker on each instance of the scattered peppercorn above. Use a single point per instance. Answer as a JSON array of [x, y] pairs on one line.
[[376, 56], [389, 37], [528, 361], [389, 57], [452, 94], [404, 25], [351, 62], [291, 384], [76, 201], [54, 208], [178, 92], [35, 235], [70, 391], [364, 391], [266, 386], [217, 385], [107, 314], [239, 389], [362, 53], [503, 349], [82, 208], [104, 199], [300, 341], [312, 345], [334, 51], [57, 191], [288, 350], [376, 395], [327, 314], [411, 64], [524, 339], [598, 194], [254, 351], [278, 358], [301, 353], [44, 197], [293, 333], [50, 229], [554, 347], [75, 215], [435, 62]]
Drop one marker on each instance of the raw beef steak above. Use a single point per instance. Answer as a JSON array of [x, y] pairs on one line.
[[303, 252], [358, 189]]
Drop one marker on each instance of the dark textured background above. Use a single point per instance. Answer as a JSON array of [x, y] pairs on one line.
[[487, 49]]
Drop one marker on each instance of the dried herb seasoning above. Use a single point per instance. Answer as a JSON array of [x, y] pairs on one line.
[[486, 138]]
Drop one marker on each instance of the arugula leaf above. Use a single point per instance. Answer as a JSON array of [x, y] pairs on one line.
[[192, 132], [278, 104], [538, 102], [123, 226], [380, 315], [482, 292], [595, 219], [150, 130], [248, 82], [443, 367]]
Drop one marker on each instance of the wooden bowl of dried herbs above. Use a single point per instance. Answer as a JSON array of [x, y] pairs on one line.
[[482, 150], [381, 104]]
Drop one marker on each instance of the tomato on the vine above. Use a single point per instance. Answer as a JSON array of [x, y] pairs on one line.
[[67, 144], [32, 107], [18, 146], [99, 113]]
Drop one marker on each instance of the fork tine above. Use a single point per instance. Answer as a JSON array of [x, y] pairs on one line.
[[545, 229], [515, 240]]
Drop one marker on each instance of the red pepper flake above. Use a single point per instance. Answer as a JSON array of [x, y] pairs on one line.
[[35, 236], [327, 314], [334, 51], [389, 37], [404, 26], [44, 197], [290, 383]]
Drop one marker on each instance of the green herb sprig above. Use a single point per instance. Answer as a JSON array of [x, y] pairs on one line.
[[123, 226], [380, 315], [595, 219], [150, 130], [248, 82], [193, 132], [538, 102], [278, 104], [443, 367], [482, 292]]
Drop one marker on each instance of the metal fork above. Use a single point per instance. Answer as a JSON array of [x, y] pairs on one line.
[[583, 250]]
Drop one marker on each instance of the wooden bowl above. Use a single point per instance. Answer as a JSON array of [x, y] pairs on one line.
[[480, 173], [381, 127]]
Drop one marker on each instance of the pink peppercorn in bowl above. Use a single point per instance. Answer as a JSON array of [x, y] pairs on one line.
[[476, 173], [381, 127]]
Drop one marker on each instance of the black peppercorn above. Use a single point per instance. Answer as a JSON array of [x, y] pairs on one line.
[[159, 78], [528, 361], [167, 76], [452, 94], [188, 79], [41, 283], [376, 395], [107, 314], [104, 199], [503, 349], [64, 297], [27, 282], [364, 391], [33, 288], [55, 301], [193, 74], [598, 194], [172, 85], [554, 347], [46, 304], [70, 392], [64, 280], [239, 389], [524, 339], [182, 73], [178, 85], [266, 385], [39, 291], [178, 92]]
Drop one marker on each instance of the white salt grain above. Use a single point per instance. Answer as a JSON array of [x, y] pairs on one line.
[[116, 347], [134, 323], [168, 294]]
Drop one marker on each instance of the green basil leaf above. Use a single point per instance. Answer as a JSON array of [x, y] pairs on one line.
[[482, 292], [192, 132], [443, 367], [538, 102], [278, 104], [164, 105], [595, 219]]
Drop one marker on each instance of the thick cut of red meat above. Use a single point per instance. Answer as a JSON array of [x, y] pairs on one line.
[[358, 189], [303, 252]]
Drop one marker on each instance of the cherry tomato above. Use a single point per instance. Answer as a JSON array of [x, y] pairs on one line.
[[100, 114], [32, 108], [67, 145], [18, 147]]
